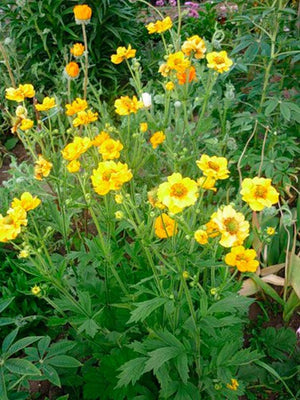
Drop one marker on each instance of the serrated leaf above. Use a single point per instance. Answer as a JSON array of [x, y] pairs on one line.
[[21, 366], [131, 371], [64, 362], [145, 308], [159, 357]]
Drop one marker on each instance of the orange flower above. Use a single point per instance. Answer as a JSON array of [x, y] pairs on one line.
[[157, 138], [85, 117], [73, 166], [77, 50], [47, 104], [110, 176], [194, 45], [19, 94], [188, 75], [74, 149], [76, 106], [165, 226], [72, 69], [201, 236], [82, 13]]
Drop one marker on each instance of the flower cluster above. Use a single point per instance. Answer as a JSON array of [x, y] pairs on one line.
[[160, 26], [85, 118], [74, 150], [76, 106], [20, 93], [11, 224]]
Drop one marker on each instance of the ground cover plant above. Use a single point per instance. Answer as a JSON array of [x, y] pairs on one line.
[[133, 236]]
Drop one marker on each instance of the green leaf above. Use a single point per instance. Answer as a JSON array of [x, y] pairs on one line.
[[21, 344], [90, 327], [21, 367], [285, 111], [277, 376], [5, 303], [271, 105], [131, 371], [9, 340], [10, 143], [294, 273], [159, 357], [181, 363], [7, 321], [50, 373], [267, 288], [64, 362], [145, 308], [43, 345], [60, 347]]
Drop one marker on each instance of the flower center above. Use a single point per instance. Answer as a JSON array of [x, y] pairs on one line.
[[232, 225], [213, 165], [178, 190], [219, 60], [106, 175], [261, 191]]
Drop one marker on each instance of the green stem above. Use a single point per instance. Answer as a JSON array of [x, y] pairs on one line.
[[86, 64], [3, 385], [7, 64]]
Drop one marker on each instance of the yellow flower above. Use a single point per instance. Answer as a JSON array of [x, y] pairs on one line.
[[125, 105], [169, 86], [160, 26], [77, 50], [259, 193], [48, 102], [194, 45], [219, 61], [119, 214], [74, 149], [214, 167], [157, 138], [207, 182], [118, 198], [201, 236], [243, 259], [72, 69], [143, 127], [26, 201], [271, 231], [185, 275], [110, 149], [24, 254], [233, 385], [26, 124], [231, 225], [165, 70], [153, 200], [42, 168], [110, 176], [36, 290], [165, 226], [82, 13], [10, 225], [20, 93], [178, 62], [21, 112], [177, 193], [85, 117], [73, 166], [212, 229], [99, 139], [122, 54], [76, 106]]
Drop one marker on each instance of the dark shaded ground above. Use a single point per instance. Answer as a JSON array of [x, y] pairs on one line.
[[18, 151]]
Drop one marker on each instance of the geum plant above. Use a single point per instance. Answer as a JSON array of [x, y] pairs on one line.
[[143, 257]]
